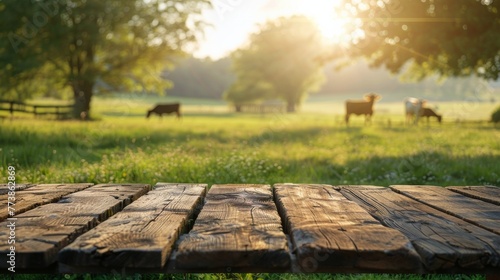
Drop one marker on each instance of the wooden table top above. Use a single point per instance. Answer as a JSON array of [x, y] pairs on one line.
[[129, 228]]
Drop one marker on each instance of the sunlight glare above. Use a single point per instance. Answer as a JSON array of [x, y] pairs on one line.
[[325, 13]]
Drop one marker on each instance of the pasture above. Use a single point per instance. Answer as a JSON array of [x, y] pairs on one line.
[[211, 144]]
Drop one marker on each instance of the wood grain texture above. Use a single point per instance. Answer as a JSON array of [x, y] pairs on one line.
[[330, 233], [31, 196], [238, 226], [477, 212], [4, 188], [43, 231], [142, 235], [489, 194], [443, 241]]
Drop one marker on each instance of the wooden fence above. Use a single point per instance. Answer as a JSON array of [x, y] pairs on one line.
[[260, 108], [59, 111]]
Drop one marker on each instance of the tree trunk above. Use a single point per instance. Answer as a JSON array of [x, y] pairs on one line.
[[290, 106], [82, 92]]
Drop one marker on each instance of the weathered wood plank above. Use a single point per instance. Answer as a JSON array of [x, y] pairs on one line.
[[331, 233], [43, 231], [140, 236], [489, 194], [4, 188], [477, 212], [239, 226], [31, 196], [443, 241]]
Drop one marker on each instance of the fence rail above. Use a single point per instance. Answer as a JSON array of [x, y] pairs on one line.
[[60, 111], [260, 108]]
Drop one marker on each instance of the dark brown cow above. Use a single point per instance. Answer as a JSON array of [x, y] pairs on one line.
[[361, 107], [161, 109], [428, 112]]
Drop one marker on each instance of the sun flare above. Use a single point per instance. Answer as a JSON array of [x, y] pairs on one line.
[[331, 23]]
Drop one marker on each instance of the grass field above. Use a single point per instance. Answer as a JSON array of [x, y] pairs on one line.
[[212, 145]]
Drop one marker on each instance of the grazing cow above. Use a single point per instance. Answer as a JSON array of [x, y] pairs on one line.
[[413, 109], [361, 107], [428, 112], [161, 109]]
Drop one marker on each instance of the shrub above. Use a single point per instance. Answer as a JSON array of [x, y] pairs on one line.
[[495, 117]]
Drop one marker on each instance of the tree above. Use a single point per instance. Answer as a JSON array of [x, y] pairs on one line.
[[207, 78], [444, 37], [245, 92], [285, 54], [125, 44]]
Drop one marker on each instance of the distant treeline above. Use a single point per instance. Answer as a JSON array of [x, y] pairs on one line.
[[201, 78], [206, 78]]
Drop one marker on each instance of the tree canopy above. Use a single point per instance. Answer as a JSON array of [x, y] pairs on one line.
[[80, 43], [200, 78], [444, 37], [284, 55]]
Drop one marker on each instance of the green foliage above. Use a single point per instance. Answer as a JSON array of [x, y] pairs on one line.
[[201, 78], [245, 92], [75, 44], [285, 53], [446, 37], [495, 116]]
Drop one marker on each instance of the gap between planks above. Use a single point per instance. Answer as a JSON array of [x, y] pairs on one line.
[[142, 234], [43, 231]]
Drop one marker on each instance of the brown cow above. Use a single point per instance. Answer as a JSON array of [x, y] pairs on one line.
[[361, 107], [161, 109], [428, 112]]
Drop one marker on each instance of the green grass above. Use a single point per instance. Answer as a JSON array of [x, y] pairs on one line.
[[229, 148], [215, 146]]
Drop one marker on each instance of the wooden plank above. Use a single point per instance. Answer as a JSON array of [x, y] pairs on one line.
[[239, 226], [477, 212], [489, 194], [443, 241], [331, 234], [32, 196], [142, 235], [42, 232], [4, 188]]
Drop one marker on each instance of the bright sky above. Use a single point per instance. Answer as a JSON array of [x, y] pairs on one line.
[[234, 20]]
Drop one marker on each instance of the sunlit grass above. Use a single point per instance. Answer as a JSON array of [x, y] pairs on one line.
[[218, 148], [249, 149]]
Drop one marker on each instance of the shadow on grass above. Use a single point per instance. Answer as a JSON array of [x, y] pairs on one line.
[[35, 150], [423, 168]]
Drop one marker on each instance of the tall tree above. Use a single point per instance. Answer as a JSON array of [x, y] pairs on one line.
[[285, 53], [444, 37], [125, 44]]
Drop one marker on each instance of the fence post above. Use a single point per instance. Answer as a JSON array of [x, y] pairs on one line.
[[11, 109]]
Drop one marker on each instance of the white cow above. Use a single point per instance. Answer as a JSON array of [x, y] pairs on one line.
[[413, 108]]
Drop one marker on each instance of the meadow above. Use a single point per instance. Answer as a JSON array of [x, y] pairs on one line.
[[211, 144]]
